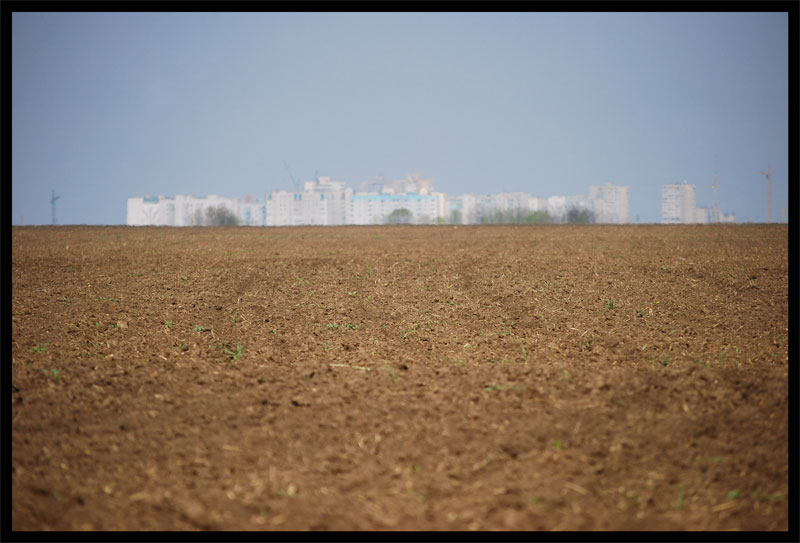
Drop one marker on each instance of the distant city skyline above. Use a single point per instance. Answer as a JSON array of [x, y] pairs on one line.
[[328, 202], [109, 105]]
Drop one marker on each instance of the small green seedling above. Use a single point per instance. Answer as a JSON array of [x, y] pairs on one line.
[[353, 293], [199, 328], [508, 331], [168, 324], [333, 325], [558, 445], [56, 375], [65, 300], [663, 362], [610, 304], [235, 355], [351, 326], [392, 374], [733, 494], [38, 348], [681, 494], [524, 352]]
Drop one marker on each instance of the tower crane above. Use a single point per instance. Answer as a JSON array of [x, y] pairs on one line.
[[295, 181]]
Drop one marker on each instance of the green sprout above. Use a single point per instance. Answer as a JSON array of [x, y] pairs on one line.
[[235, 355], [681, 494]]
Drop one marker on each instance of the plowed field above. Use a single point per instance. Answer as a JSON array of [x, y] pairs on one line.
[[400, 378]]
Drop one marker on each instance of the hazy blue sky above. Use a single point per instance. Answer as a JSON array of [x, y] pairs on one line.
[[112, 105]]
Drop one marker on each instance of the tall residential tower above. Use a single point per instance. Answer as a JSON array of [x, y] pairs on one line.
[[678, 202], [610, 203]]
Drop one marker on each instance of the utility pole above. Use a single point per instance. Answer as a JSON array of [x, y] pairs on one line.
[[768, 175], [714, 186], [53, 203]]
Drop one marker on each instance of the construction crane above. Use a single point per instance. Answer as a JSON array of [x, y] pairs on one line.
[[295, 181], [53, 204], [768, 175]]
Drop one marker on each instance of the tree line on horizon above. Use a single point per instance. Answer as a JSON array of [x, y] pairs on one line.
[[222, 216]]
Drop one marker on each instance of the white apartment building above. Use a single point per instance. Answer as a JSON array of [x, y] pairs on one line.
[[251, 212], [678, 203], [143, 211], [182, 210], [505, 204], [706, 215], [610, 203], [411, 184], [371, 208], [322, 202], [460, 209]]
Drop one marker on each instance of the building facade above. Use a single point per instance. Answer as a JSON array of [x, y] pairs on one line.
[[371, 208], [322, 202], [460, 209], [707, 215], [182, 210], [678, 203], [610, 203]]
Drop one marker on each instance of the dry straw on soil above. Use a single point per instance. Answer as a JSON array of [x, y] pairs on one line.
[[523, 378]]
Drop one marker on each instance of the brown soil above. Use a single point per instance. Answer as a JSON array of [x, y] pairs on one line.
[[393, 378]]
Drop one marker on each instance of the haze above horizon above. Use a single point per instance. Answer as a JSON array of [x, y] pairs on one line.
[[106, 106]]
